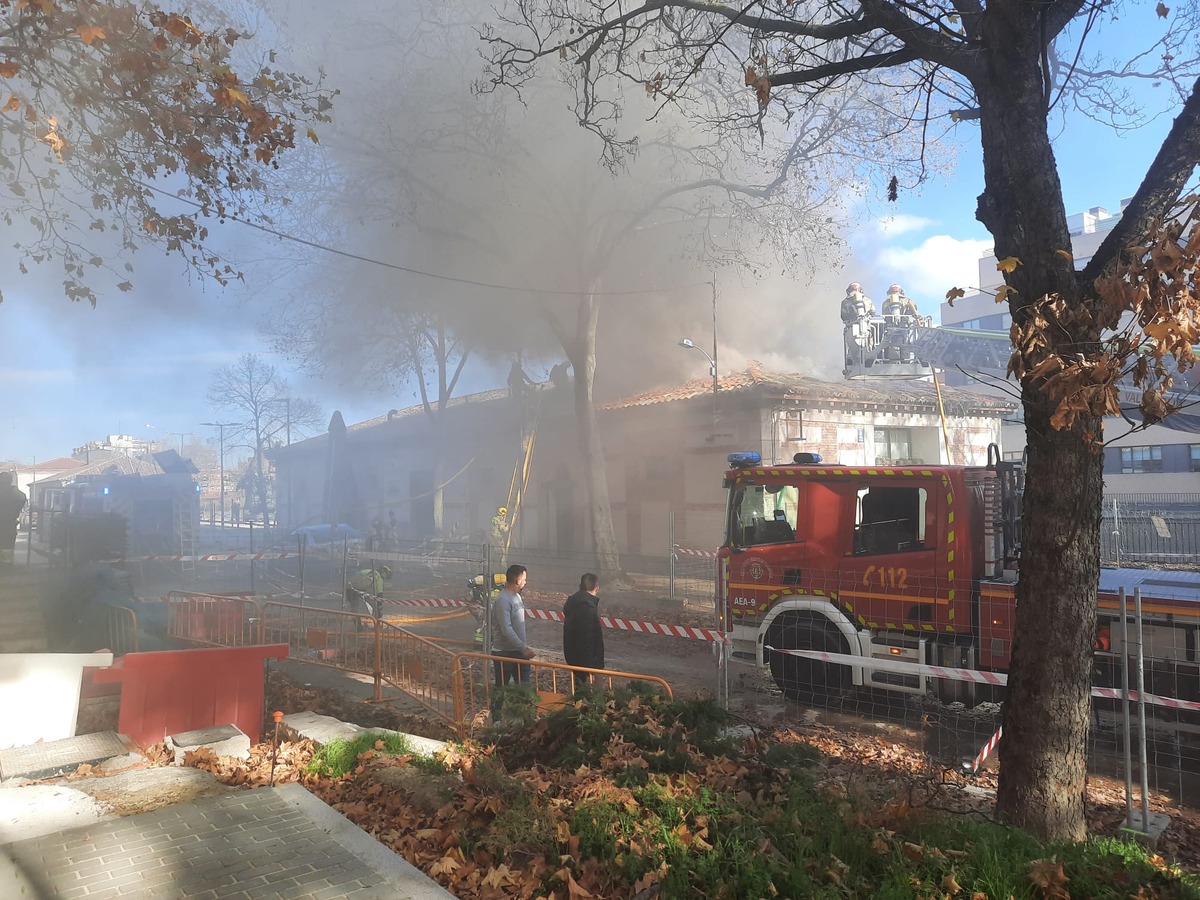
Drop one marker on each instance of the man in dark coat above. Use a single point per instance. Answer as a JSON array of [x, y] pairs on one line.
[[12, 502], [583, 633]]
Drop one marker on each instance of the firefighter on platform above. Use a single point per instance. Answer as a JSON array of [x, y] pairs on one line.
[[500, 528], [899, 304], [856, 304], [366, 586], [894, 304]]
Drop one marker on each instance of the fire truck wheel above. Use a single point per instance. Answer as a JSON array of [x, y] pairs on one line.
[[799, 678]]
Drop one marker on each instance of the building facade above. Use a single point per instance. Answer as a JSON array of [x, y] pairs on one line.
[[1147, 461], [664, 451]]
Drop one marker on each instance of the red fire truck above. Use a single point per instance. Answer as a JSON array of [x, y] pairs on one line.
[[906, 563]]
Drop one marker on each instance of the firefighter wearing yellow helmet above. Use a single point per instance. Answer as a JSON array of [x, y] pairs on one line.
[[366, 587], [856, 305], [899, 304], [500, 529]]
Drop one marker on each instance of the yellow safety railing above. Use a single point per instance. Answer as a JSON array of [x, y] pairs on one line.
[[456, 686], [212, 619], [420, 668], [324, 637], [475, 681], [120, 629]]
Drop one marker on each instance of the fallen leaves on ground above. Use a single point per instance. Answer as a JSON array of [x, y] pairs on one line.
[[515, 815]]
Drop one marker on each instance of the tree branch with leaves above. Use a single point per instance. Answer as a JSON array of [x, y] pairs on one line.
[[935, 68], [110, 108]]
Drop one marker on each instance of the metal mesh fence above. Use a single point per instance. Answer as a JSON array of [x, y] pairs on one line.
[[1151, 529], [949, 721]]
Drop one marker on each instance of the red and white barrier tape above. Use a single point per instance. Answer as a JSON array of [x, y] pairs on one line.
[[683, 631], [210, 557], [683, 551], [438, 602], [986, 751], [973, 675], [180, 598]]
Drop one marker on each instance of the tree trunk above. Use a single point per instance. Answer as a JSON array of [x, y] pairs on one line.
[[583, 361], [439, 472], [1046, 714], [260, 482]]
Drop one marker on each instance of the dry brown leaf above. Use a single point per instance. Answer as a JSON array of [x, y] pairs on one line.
[[574, 889], [444, 866], [1049, 876]]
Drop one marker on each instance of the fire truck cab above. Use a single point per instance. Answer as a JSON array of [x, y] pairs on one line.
[[901, 563]]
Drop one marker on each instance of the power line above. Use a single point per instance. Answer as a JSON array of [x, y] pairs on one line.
[[411, 271]]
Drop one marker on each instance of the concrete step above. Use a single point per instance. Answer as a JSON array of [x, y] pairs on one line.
[[58, 757]]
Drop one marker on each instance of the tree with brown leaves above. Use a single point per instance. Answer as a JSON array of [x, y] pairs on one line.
[[111, 111], [1012, 67]]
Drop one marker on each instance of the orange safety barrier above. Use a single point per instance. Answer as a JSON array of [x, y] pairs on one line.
[[324, 637], [456, 686], [212, 619], [474, 681], [361, 643], [171, 691]]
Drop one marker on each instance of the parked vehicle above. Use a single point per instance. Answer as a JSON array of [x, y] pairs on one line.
[[911, 563]]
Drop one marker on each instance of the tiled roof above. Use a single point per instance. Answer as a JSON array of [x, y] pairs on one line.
[[117, 465], [58, 464], [455, 403], [797, 386]]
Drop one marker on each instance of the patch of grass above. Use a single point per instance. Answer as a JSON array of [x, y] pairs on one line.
[[525, 829], [675, 800], [599, 825], [704, 717], [795, 757], [340, 756], [430, 765], [514, 705], [997, 862]]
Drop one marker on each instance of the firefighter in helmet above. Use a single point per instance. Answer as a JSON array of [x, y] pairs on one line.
[[500, 529], [894, 304], [853, 307], [899, 304], [366, 586]]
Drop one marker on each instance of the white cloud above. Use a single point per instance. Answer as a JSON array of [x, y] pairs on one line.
[[902, 224], [934, 266]]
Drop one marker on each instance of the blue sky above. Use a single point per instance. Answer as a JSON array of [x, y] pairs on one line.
[[70, 373]]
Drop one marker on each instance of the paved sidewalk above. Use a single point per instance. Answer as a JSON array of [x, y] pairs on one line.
[[269, 842]]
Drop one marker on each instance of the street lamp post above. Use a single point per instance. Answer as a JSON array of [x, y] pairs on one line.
[[221, 440], [179, 434], [288, 420], [688, 344]]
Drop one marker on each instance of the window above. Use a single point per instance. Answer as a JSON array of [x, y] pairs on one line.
[[793, 426], [1194, 455], [1141, 460], [892, 445], [889, 520], [764, 514]]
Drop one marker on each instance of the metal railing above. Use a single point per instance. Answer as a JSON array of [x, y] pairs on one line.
[[474, 685], [212, 620], [120, 629], [455, 686]]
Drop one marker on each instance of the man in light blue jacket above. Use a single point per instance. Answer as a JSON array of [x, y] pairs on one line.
[[508, 628]]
